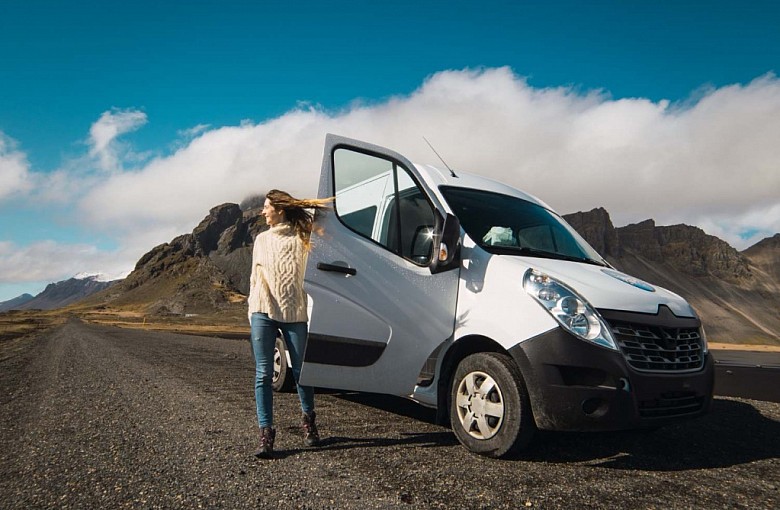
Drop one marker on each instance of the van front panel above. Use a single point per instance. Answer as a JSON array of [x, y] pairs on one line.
[[575, 385]]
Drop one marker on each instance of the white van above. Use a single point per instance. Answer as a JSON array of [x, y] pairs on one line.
[[477, 299]]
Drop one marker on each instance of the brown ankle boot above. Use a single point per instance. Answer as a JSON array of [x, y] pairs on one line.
[[310, 434], [266, 448]]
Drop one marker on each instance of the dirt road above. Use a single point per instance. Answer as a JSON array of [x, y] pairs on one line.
[[99, 417]]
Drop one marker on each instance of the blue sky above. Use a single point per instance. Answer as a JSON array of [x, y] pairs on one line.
[[96, 96]]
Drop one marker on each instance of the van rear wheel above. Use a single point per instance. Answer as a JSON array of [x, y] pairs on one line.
[[490, 411], [282, 381]]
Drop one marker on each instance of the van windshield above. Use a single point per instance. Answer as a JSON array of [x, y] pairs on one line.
[[507, 225]]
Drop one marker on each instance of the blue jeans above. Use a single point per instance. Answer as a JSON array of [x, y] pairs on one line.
[[263, 341]]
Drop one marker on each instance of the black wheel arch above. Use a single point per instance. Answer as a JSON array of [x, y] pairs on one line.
[[466, 346]]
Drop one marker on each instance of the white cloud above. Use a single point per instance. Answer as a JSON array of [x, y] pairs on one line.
[[14, 169], [104, 133]]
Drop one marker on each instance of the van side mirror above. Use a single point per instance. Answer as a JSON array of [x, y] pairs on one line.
[[422, 244], [446, 255]]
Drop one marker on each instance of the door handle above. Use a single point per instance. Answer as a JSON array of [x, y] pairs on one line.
[[322, 266]]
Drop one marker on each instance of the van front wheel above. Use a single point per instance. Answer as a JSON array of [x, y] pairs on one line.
[[489, 407]]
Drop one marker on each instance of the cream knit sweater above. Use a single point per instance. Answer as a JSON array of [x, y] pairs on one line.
[[276, 282]]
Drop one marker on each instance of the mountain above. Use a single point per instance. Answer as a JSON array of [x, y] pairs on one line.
[[15, 303], [197, 273], [66, 292], [736, 294]]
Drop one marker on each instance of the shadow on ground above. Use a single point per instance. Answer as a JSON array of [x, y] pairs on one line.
[[396, 405], [334, 443], [733, 433], [391, 404]]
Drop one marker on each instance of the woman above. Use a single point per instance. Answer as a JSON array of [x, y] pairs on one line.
[[277, 301]]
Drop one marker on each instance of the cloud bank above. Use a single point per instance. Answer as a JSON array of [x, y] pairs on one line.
[[24, 263], [712, 161]]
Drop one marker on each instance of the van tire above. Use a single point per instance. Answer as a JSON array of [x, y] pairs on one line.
[[282, 381], [495, 424]]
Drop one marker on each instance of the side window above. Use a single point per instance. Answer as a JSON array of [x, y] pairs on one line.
[[378, 199], [362, 184]]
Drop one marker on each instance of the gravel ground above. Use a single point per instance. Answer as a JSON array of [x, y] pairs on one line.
[[100, 417]]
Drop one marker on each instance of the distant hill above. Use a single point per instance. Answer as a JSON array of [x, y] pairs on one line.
[[765, 257], [15, 303], [736, 294], [66, 292]]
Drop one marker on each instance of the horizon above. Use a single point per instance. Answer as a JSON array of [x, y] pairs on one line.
[[120, 129]]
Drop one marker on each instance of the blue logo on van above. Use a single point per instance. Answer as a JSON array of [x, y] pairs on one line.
[[639, 284]]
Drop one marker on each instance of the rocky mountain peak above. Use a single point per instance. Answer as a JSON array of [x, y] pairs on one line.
[[596, 227], [208, 232], [688, 249]]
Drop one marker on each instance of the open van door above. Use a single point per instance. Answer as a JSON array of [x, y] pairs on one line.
[[380, 303]]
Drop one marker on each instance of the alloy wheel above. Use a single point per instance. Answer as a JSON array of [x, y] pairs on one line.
[[480, 405]]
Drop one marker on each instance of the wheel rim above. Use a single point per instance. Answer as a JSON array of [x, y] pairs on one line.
[[480, 405], [277, 363]]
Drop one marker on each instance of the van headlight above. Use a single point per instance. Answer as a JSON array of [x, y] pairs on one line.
[[568, 308]]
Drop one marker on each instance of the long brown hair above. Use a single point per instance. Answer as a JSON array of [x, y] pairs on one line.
[[297, 211]]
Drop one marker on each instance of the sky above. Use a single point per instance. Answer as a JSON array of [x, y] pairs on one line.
[[123, 123]]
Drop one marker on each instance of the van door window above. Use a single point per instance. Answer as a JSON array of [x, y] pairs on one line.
[[362, 221], [378, 199]]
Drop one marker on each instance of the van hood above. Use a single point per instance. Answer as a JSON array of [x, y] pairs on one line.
[[607, 288]]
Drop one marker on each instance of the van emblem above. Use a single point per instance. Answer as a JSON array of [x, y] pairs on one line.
[[636, 282]]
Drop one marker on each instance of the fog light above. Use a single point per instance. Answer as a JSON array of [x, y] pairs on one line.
[[594, 407]]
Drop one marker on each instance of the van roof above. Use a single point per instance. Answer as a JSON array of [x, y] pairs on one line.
[[436, 177]]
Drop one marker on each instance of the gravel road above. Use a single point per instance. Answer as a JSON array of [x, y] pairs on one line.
[[101, 417]]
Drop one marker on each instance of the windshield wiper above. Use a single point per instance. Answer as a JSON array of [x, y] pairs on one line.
[[533, 252]]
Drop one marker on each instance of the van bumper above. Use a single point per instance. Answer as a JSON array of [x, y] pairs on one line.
[[577, 386]]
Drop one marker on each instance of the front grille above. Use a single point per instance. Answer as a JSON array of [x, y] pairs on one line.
[[671, 404], [659, 348]]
